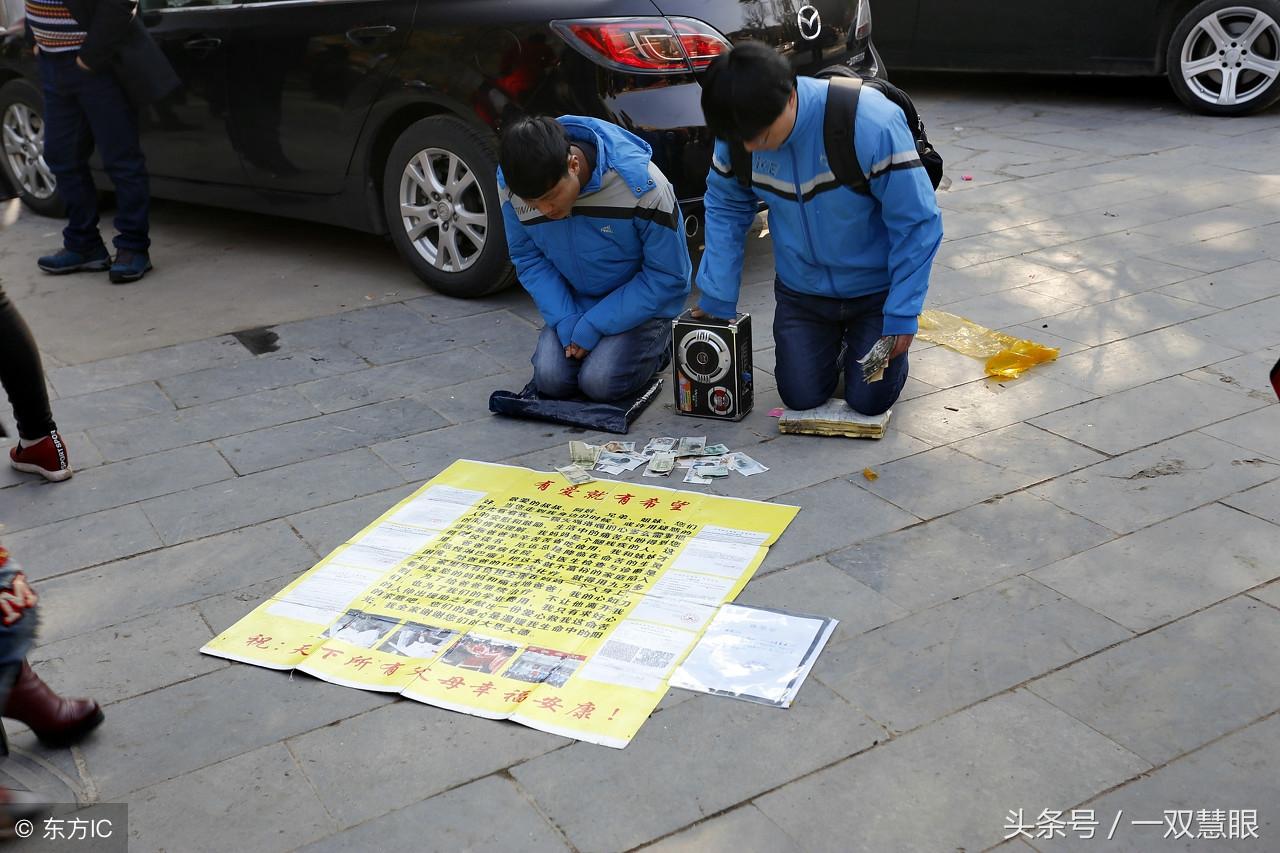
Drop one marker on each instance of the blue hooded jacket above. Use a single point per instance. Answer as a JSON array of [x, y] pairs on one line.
[[827, 239], [619, 259]]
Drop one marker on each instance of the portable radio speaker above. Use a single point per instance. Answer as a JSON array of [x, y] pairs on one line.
[[711, 362]]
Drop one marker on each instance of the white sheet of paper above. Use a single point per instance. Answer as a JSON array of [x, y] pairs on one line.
[[755, 654], [331, 588], [708, 556], [638, 654], [397, 537], [732, 534], [437, 507], [303, 613], [366, 557], [672, 612], [704, 589]]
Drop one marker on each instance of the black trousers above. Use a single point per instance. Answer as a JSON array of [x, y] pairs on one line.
[[22, 375]]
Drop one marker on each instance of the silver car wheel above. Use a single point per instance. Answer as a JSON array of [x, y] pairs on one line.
[[1231, 56], [442, 210], [22, 130]]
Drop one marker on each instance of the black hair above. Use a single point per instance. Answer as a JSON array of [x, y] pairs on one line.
[[534, 156], [744, 90]]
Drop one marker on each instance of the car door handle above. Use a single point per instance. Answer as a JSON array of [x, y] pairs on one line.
[[365, 35], [202, 44]]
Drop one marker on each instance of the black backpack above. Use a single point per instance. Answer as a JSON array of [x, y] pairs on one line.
[[837, 130]]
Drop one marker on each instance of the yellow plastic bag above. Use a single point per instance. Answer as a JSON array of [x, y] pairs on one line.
[[1007, 357]]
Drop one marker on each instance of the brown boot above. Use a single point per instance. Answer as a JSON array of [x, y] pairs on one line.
[[56, 721]]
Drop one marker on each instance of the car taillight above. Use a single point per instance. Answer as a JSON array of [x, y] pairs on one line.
[[862, 27], [645, 45]]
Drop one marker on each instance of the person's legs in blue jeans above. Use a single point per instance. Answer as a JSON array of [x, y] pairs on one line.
[[114, 122], [621, 365], [68, 144], [863, 319], [807, 333], [554, 375]]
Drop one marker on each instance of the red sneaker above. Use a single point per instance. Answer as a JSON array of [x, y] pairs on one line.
[[47, 457]]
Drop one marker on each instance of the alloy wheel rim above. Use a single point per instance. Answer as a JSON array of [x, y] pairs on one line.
[[442, 210], [1231, 56], [22, 135]]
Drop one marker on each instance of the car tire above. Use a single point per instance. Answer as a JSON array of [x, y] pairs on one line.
[[440, 195], [22, 148], [1223, 58]]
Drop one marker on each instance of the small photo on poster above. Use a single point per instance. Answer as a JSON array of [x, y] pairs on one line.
[[480, 654], [418, 641], [539, 666], [360, 629]]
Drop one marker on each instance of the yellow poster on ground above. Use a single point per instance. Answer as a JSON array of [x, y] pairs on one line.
[[510, 594]]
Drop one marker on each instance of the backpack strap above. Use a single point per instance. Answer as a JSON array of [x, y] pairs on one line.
[[740, 164], [837, 132]]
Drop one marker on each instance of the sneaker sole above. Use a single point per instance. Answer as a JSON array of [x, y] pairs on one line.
[[91, 266], [51, 476], [126, 278]]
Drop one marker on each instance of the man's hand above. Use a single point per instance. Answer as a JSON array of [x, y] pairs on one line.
[[575, 351], [901, 345], [80, 64]]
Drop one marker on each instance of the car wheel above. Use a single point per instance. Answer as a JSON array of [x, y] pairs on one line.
[[22, 148], [1224, 57], [440, 194]]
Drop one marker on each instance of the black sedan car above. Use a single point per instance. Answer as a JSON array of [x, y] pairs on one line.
[[1222, 57], [382, 115]]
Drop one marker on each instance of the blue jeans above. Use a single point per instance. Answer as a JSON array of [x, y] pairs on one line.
[[17, 627], [617, 368], [84, 109], [809, 333]]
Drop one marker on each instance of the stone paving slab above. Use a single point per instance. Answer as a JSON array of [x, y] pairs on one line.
[[108, 595], [412, 378], [147, 366], [1262, 501], [448, 749], [640, 794], [913, 483], [744, 829], [1147, 414], [1156, 483], [923, 667], [263, 373], [835, 514], [1125, 364], [1028, 451], [1231, 774], [461, 819], [34, 504], [949, 786], [316, 438], [103, 663], [820, 589], [256, 801], [115, 405], [1179, 687], [1124, 317], [83, 541], [1125, 580], [198, 424], [267, 495], [1246, 374], [1113, 281]]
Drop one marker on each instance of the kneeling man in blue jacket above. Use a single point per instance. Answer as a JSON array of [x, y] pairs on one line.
[[850, 268], [595, 234]]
